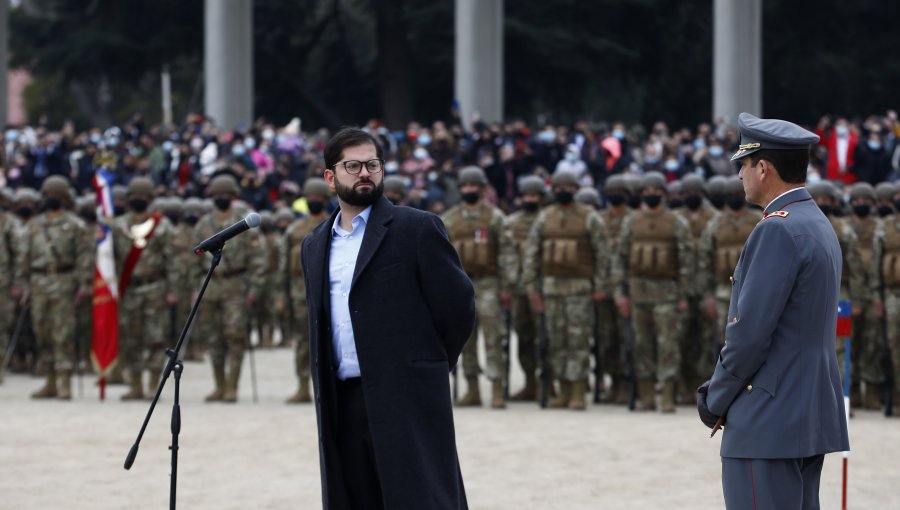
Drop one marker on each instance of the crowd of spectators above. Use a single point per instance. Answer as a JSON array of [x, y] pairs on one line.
[[271, 162]]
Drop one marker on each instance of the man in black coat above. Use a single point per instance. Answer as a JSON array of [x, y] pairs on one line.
[[389, 310]]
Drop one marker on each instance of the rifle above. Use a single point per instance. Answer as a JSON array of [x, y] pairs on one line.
[[507, 319], [598, 370], [543, 373], [14, 339]]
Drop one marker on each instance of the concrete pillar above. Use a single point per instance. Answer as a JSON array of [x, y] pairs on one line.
[[4, 61], [737, 58], [479, 59], [228, 61]]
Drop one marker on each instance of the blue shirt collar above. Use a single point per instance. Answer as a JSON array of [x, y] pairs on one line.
[[361, 218]]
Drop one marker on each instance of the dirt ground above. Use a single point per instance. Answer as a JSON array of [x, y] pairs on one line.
[[70, 454]]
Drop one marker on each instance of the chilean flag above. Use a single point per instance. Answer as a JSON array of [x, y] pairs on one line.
[[105, 341], [845, 319]]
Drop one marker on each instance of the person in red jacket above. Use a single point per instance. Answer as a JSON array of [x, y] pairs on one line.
[[841, 143]]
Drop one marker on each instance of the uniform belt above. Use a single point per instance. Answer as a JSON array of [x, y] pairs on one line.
[[51, 270], [231, 273]]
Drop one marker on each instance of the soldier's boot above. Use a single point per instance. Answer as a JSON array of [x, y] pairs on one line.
[[621, 390], [302, 395], [64, 380], [472, 398], [49, 389], [137, 387], [668, 397], [528, 393], [565, 394], [231, 382], [219, 379], [152, 383], [497, 400], [577, 402], [646, 396]]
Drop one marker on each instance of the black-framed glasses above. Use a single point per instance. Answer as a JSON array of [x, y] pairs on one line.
[[353, 167]]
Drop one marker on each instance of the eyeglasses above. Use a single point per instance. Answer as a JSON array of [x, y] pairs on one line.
[[353, 167]]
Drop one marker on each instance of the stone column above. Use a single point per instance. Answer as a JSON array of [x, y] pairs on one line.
[[228, 61], [737, 58], [479, 59]]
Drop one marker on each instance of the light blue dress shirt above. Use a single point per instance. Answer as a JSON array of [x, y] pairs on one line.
[[341, 264]]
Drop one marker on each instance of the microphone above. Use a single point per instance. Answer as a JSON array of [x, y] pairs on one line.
[[218, 240]]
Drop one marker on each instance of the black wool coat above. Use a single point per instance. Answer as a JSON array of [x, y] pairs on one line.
[[412, 309]]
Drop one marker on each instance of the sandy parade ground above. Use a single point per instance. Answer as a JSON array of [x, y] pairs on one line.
[[70, 454]]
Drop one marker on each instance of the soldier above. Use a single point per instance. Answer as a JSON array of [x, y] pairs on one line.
[[53, 262], [698, 332], [884, 280], [531, 189], [719, 251], [263, 316], [293, 294], [187, 214], [676, 194], [395, 189], [120, 199], [282, 316], [611, 325], [488, 255], [565, 271], [9, 226], [25, 357], [86, 208], [885, 192], [715, 191], [148, 277], [633, 183], [866, 344], [655, 257], [589, 197], [236, 284]]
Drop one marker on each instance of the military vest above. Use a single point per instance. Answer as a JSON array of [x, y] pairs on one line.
[[890, 259], [613, 224], [865, 233], [566, 250], [476, 244], [731, 234], [653, 253], [698, 220], [520, 226], [294, 239], [838, 225], [55, 242]]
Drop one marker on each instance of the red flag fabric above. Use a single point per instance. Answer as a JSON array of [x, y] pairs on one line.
[[105, 341]]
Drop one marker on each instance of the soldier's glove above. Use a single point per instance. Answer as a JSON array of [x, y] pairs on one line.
[[707, 417]]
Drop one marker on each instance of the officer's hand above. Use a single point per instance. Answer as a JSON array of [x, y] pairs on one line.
[[682, 305], [600, 296], [709, 305], [171, 299], [878, 307], [624, 306], [707, 417], [536, 302], [505, 300]]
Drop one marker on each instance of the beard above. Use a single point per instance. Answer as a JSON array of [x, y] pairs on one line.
[[357, 196]]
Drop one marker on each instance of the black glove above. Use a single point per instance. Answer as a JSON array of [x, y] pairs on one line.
[[708, 418]]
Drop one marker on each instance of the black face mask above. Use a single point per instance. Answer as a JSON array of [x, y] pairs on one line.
[[862, 210], [191, 220], [138, 205], [693, 202], [717, 201], [676, 203], [826, 209], [735, 203], [118, 210], [53, 204], [530, 206], [837, 212], [652, 201], [315, 207], [222, 203], [23, 212], [634, 202], [616, 200], [90, 217], [471, 197], [885, 211], [564, 197], [173, 218]]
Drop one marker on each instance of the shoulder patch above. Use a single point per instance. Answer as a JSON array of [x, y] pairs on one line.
[[780, 214]]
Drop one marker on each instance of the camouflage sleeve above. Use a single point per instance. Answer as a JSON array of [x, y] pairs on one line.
[[706, 279], [531, 265], [256, 262], [174, 270], [619, 274], [856, 278], [875, 275], [508, 256], [23, 256], [597, 229], [199, 263], [6, 244], [281, 246], [685, 257], [84, 255]]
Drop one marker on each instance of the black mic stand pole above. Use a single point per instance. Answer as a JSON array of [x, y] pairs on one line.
[[174, 365]]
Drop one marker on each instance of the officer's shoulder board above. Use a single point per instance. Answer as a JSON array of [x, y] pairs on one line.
[[779, 214]]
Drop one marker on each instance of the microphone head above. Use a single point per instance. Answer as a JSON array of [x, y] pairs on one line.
[[252, 220]]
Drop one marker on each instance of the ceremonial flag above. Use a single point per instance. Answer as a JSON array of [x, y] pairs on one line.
[[105, 341]]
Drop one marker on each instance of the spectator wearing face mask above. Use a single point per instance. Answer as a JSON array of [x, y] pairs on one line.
[[572, 162], [872, 163], [841, 142], [715, 161]]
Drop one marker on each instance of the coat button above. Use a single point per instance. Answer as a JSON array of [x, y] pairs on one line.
[[731, 279], [733, 320], [749, 387]]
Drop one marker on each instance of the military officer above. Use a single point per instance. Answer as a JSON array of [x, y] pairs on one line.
[[776, 384], [53, 264], [236, 284], [565, 271], [884, 280], [531, 190], [488, 255], [293, 292]]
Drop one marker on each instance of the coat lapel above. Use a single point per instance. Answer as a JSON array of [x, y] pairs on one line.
[[381, 215], [318, 247]]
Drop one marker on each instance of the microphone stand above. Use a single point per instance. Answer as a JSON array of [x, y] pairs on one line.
[[174, 365]]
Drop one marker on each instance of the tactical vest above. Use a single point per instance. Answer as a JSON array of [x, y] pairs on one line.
[[731, 234], [297, 231], [566, 250], [865, 233], [520, 226], [474, 241], [838, 225], [698, 220], [653, 253], [890, 259]]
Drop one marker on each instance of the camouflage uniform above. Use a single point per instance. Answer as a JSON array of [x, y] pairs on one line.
[[144, 317], [263, 314], [488, 255], [9, 226], [86, 208], [654, 260], [884, 276], [698, 332], [224, 309], [53, 261], [25, 357], [566, 261], [183, 243]]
